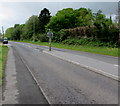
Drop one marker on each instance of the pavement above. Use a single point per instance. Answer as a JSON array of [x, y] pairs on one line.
[[104, 68], [10, 91]]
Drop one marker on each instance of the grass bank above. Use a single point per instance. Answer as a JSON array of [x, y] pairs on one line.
[[90, 49], [3, 57]]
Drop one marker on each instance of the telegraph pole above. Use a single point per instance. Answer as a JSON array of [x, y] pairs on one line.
[[0, 34], [3, 32], [119, 20]]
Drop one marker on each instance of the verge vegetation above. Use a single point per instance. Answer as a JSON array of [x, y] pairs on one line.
[[3, 57]]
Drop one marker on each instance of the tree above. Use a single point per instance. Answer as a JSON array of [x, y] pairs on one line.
[[70, 18], [44, 18], [16, 25], [64, 19], [84, 17], [104, 30], [17, 32], [9, 33], [31, 28]]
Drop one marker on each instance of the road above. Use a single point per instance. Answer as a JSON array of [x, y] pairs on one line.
[[60, 82]]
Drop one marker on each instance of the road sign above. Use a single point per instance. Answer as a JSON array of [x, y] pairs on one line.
[[50, 34]]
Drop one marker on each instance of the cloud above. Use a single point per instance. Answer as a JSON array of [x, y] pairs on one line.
[[13, 13], [6, 15]]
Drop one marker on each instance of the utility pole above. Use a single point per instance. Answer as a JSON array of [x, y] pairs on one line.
[[119, 19], [3, 32], [0, 34]]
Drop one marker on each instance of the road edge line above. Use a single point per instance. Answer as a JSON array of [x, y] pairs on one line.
[[87, 67], [36, 81]]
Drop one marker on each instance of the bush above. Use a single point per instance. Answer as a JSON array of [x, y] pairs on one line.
[[56, 37], [89, 42], [108, 36], [42, 38], [75, 41]]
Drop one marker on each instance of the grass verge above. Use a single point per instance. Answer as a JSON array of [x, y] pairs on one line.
[[3, 57], [90, 49]]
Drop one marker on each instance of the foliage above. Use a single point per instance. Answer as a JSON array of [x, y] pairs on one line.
[[9, 33], [31, 27], [84, 17], [64, 19], [88, 42], [44, 18], [3, 57], [70, 18], [42, 38], [16, 32]]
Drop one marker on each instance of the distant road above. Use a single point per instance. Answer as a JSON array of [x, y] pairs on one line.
[[63, 82]]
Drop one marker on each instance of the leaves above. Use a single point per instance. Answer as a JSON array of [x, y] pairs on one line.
[[44, 18]]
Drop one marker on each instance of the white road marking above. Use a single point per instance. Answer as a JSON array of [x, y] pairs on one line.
[[116, 65]]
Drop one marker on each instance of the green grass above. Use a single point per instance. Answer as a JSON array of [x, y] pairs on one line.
[[90, 49], [3, 57]]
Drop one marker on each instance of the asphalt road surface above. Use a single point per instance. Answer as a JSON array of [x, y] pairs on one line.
[[61, 82]]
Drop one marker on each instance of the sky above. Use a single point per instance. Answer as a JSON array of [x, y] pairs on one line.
[[16, 12]]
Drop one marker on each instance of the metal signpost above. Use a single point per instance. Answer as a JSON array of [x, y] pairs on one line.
[[50, 35]]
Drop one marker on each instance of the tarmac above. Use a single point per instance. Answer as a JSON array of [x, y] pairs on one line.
[[100, 67]]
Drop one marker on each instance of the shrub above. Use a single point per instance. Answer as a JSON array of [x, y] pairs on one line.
[[42, 38], [88, 42]]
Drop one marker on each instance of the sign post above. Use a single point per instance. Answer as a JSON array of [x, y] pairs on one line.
[[50, 35]]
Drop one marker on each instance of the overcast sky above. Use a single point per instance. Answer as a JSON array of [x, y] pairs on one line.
[[18, 12]]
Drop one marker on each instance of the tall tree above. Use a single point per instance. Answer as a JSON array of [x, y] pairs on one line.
[[84, 17], [44, 18], [16, 33], [31, 28], [9, 33], [64, 19], [70, 18], [16, 25], [98, 19]]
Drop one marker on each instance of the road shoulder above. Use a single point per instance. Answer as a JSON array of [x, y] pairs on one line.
[[10, 92]]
